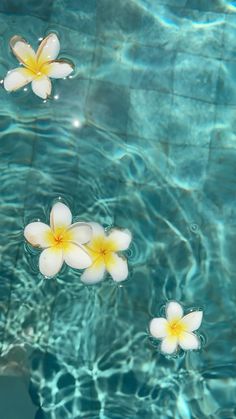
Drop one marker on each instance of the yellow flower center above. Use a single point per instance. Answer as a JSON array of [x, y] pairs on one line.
[[101, 250], [104, 252], [38, 69], [60, 238], [175, 328]]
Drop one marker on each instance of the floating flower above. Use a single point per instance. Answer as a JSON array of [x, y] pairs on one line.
[[38, 67], [176, 329], [103, 250], [62, 241]]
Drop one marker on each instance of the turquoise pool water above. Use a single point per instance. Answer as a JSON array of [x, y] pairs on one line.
[[142, 137]]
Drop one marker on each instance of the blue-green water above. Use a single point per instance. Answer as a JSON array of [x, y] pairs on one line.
[[155, 151]]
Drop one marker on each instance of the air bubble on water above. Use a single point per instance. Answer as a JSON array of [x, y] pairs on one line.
[[194, 228]]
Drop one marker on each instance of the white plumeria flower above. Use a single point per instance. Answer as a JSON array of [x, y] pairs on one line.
[[62, 241], [37, 67], [176, 329], [103, 250]]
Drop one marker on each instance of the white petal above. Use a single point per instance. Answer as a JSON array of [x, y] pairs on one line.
[[158, 327], [169, 345], [98, 230], [48, 49], [189, 341], [23, 51], [37, 234], [174, 311], [60, 216], [193, 320], [50, 261], [76, 257], [42, 87], [118, 268], [58, 69], [81, 233], [121, 238], [93, 274], [17, 78]]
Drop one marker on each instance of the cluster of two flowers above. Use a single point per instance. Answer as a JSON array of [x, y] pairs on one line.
[[80, 245], [88, 246]]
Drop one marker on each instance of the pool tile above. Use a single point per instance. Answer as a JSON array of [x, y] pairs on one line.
[[106, 189], [221, 171], [8, 188], [229, 255], [152, 119], [42, 9], [201, 33], [180, 208], [196, 126], [78, 15], [140, 162], [153, 68], [18, 144], [66, 159], [226, 86], [70, 94], [176, 3], [217, 345], [207, 5], [109, 150], [105, 102], [118, 19], [223, 134], [5, 294], [160, 27], [133, 204], [196, 77], [71, 311], [185, 169], [51, 184], [229, 50], [27, 323], [113, 61]]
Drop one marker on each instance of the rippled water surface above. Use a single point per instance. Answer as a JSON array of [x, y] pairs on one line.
[[143, 137]]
